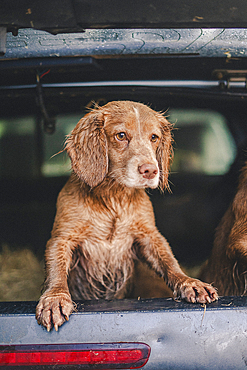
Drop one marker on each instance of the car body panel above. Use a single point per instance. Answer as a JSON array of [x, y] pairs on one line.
[[181, 335], [213, 42]]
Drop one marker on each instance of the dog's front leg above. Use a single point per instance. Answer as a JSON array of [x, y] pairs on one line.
[[55, 305], [154, 249]]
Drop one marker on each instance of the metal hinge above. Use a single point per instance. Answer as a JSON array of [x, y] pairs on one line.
[[229, 79]]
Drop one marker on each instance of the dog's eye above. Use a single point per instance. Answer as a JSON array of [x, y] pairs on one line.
[[121, 136], [154, 138]]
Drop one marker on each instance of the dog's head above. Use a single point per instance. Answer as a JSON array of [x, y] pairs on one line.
[[126, 141]]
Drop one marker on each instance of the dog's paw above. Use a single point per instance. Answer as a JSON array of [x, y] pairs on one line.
[[54, 309], [195, 291]]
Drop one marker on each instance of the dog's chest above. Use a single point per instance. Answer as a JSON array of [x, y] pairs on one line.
[[106, 255], [109, 238], [112, 229]]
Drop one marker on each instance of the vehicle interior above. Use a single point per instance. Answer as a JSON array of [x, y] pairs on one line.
[[209, 149], [190, 75]]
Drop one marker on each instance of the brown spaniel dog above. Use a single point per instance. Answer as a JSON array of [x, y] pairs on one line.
[[105, 220]]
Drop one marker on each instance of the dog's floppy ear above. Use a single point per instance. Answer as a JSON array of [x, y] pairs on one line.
[[164, 152], [87, 148]]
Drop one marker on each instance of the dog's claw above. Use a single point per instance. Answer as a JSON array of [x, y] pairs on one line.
[[208, 299], [53, 311], [193, 290]]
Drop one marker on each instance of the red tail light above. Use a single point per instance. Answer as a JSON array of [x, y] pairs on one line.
[[88, 356]]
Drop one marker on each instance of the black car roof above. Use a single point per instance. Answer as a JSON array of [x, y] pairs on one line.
[[60, 16]]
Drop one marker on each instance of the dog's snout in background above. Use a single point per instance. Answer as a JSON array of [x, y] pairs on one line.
[[105, 223]]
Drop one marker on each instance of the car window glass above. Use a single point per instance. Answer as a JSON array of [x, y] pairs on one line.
[[18, 152], [202, 142], [57, 163]]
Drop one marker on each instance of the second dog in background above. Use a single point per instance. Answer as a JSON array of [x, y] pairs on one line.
[[227, 265], [105, 220]]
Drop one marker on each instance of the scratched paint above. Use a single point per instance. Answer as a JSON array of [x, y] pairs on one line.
[[204, 42]]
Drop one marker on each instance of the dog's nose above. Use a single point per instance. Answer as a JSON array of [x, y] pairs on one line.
[[148, 170]]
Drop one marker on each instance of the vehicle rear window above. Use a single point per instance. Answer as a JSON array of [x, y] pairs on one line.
[[18, 152], [202, 144], [55, 164]]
